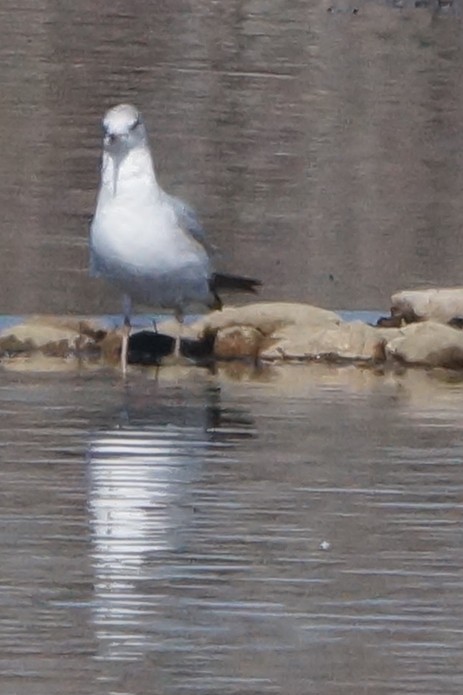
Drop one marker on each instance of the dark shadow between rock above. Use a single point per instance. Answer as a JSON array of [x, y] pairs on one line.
[[397, 319], [148, 348], [200, 350], [456, 322]]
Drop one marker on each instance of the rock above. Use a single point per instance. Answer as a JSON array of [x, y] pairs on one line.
[[348, 341], [265, 317], [442, 305], [58, 348], [53, 336], [430, 344], [37, 334], [232, 342], [242, 332], [11, 344], [272, 333], [390, 322], [110, 347]]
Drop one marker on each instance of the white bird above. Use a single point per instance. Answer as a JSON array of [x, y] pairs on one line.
[[146, 242]]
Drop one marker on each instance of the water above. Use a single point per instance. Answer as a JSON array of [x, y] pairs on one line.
[[166, 535]]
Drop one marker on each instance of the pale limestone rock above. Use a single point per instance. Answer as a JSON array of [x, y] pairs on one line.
[[442, 305], [428, 343], [266, 317], [275, 333], [36, 334], [283, 331], [52, 335], [351, 341]]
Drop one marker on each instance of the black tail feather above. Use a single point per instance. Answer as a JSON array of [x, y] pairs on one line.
[[234, 283], [223, 281]]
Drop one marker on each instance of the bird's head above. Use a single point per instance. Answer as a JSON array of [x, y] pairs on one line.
[[123, 130], [124, 133]]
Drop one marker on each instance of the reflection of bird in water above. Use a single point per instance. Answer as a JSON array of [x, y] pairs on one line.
[[140, 504], [144, 480]]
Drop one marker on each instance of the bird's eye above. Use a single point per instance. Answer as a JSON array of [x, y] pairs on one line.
[[135, 124]]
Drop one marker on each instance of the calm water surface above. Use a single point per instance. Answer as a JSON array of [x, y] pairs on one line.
[[164, 536]]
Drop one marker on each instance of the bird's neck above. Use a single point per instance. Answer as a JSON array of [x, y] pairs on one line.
[[132, 174]]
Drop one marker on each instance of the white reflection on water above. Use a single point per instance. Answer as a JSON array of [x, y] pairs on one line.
[[144, 478], [140, 506]]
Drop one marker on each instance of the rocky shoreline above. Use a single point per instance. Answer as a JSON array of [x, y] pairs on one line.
[[423, 329]]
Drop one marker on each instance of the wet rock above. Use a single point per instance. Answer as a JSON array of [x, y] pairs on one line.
[[52, 336], [267, 333], [240, 332], [346, 341], [442, 305], [390, 322], [64, 337], [242, 342], [38, 334], [11, 345], [428, 344], [109, 348], [58, 348], [90, 329], [281, 331]]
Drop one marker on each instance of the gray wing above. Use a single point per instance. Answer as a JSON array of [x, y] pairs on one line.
[[188, 220], [94, 269]]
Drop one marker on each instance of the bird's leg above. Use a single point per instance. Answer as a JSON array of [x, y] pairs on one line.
[[125, 346], [127, 309], [178, 337]]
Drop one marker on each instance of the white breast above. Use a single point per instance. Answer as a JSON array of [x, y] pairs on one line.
[[137, 243]]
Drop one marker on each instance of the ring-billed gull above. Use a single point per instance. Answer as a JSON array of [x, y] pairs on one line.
[[148, 243]]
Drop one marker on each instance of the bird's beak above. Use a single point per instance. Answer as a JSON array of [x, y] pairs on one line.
[[115, 147], [116, 165]]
